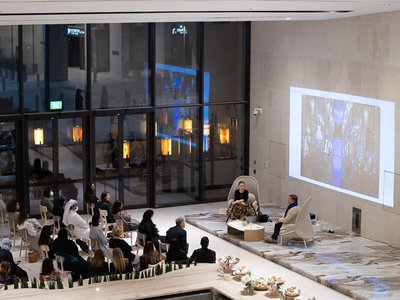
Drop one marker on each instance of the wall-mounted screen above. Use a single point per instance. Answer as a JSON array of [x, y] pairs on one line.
[[342, 142]]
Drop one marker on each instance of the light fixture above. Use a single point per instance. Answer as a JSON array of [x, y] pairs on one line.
[[257, 110], [206, 129], [77, 134], [187, 125], [126, 149], [156, 128], [38, 136], [166, 146], [224, 135]]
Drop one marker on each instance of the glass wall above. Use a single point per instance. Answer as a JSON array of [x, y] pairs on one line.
[[7, 160]]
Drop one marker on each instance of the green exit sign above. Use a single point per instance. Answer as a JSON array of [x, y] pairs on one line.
[[56, 105]]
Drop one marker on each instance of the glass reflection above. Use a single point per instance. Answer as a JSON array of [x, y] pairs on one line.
[[107, 149], [7, 155]]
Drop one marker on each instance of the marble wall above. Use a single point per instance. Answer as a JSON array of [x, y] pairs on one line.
[[358, 56]]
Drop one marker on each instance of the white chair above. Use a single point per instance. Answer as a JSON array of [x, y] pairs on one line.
[[140, 241], [45, 251], [303, 227], [24, 242], [60, 263], [57, 225], [163, 249], [251, 185], [122, 222], [43, 214], [12, 226], [89, 211], [103, 220]]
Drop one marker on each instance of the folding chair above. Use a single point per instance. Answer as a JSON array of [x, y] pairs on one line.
[[103, 220], [140, 241], [24, 242], [12, 226], [163, 249], [43, 214]]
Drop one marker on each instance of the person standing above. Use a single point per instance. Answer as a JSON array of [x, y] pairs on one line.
[[288, 220]]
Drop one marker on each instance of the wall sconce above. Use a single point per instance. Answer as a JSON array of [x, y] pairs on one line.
[[206, 129], [126, 147], [166, 146], [187, 125], [155, 129], [224, 135], [38, 136], [77, 134]]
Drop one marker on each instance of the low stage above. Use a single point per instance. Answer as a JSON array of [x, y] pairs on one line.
[[353, 265]]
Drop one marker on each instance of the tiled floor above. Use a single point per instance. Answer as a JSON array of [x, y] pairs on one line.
[[165, 217]]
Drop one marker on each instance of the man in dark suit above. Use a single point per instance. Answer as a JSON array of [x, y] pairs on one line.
[[176, 237], [203, 255]]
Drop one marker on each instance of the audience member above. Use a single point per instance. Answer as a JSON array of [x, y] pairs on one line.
[[73, 261], [150, 256], [288, 220], [176, 237], [97, 264], [105, 205], [46, 239], [6, 255], [45, 171], [97, 236], [81, 227], [48, 271], [32, 227], [147, 227], [48, 201], [203, 254], [117, 241], [120, 264], [123, 216], [13, 206], [5, 276], [90, 196]]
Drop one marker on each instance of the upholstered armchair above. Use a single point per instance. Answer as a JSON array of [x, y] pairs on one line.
[[251, 185]]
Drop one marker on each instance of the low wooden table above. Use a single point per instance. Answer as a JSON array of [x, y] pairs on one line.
[[251, 232]]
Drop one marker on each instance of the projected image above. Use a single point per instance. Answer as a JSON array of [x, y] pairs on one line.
[[342, 142]]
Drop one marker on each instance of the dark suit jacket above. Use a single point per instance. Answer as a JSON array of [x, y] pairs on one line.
[[179, 234], [203, 256]]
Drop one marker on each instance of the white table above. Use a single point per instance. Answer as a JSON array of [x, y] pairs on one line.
[[251, 232]]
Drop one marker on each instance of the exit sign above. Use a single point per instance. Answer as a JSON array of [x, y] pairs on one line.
[[56, 105]]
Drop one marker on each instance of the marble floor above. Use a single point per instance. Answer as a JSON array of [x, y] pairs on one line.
[[358, 267], [164, 218]]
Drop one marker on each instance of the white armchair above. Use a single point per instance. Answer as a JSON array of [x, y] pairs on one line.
[[251, 185]]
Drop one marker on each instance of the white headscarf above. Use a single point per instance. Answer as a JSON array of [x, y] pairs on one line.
[[67, 208]]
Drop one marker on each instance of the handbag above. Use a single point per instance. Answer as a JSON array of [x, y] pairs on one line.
[[33, 256]]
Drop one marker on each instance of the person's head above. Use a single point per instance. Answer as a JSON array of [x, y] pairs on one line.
[[47, 192], [105, 196], [23, 216], [6, 244], [5, 268], [90, 188], [241, 185], [63, 234], [204, 242], [45, 234], [180, 221], [98, 258], [118, 260], [12, 206], [45, 165], [117, 231], [95, 219], [148, 214], [292, 199], [117, 207], [47, 266]]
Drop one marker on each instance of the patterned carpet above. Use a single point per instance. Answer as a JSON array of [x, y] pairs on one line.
[[353, 265]]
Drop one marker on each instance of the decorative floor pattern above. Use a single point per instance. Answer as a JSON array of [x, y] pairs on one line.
[[358, 267]]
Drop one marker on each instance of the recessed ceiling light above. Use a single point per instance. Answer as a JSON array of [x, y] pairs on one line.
[[287, 19]]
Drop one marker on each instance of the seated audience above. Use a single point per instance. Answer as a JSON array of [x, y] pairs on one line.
[[203, 255], [13, 206], [69, 250], [48, 271], [5, 276], [97, 264], [240, 206], [120, 264], [46, 239], [150, 256], [176, 237], [6, 255], [128, 223], [288, 220], [105, 205], [90, 196], [147, 227], [81, 228], [32, 227], [3, 209], [48, 201], [117, 241], [97, 237]]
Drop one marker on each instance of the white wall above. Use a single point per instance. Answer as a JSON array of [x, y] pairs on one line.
[[357, 56]]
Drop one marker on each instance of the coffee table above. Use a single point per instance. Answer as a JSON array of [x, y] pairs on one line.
[[251, 232]]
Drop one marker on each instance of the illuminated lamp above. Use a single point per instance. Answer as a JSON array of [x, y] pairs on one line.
[[126, 149], [224, 135], [38, 136], [77, 134], [206, 129], [166, 146], [187, 125]]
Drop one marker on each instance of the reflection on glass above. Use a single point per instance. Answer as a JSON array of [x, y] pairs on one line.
[[33, 49], [7, 155], [120, 71], [8, 69], [67, 66], [107, 150], [70, 151], [35, 196], [72, 190], [176, 63], [135, 190]]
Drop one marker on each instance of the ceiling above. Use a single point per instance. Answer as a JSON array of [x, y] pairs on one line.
[[89, 11]]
